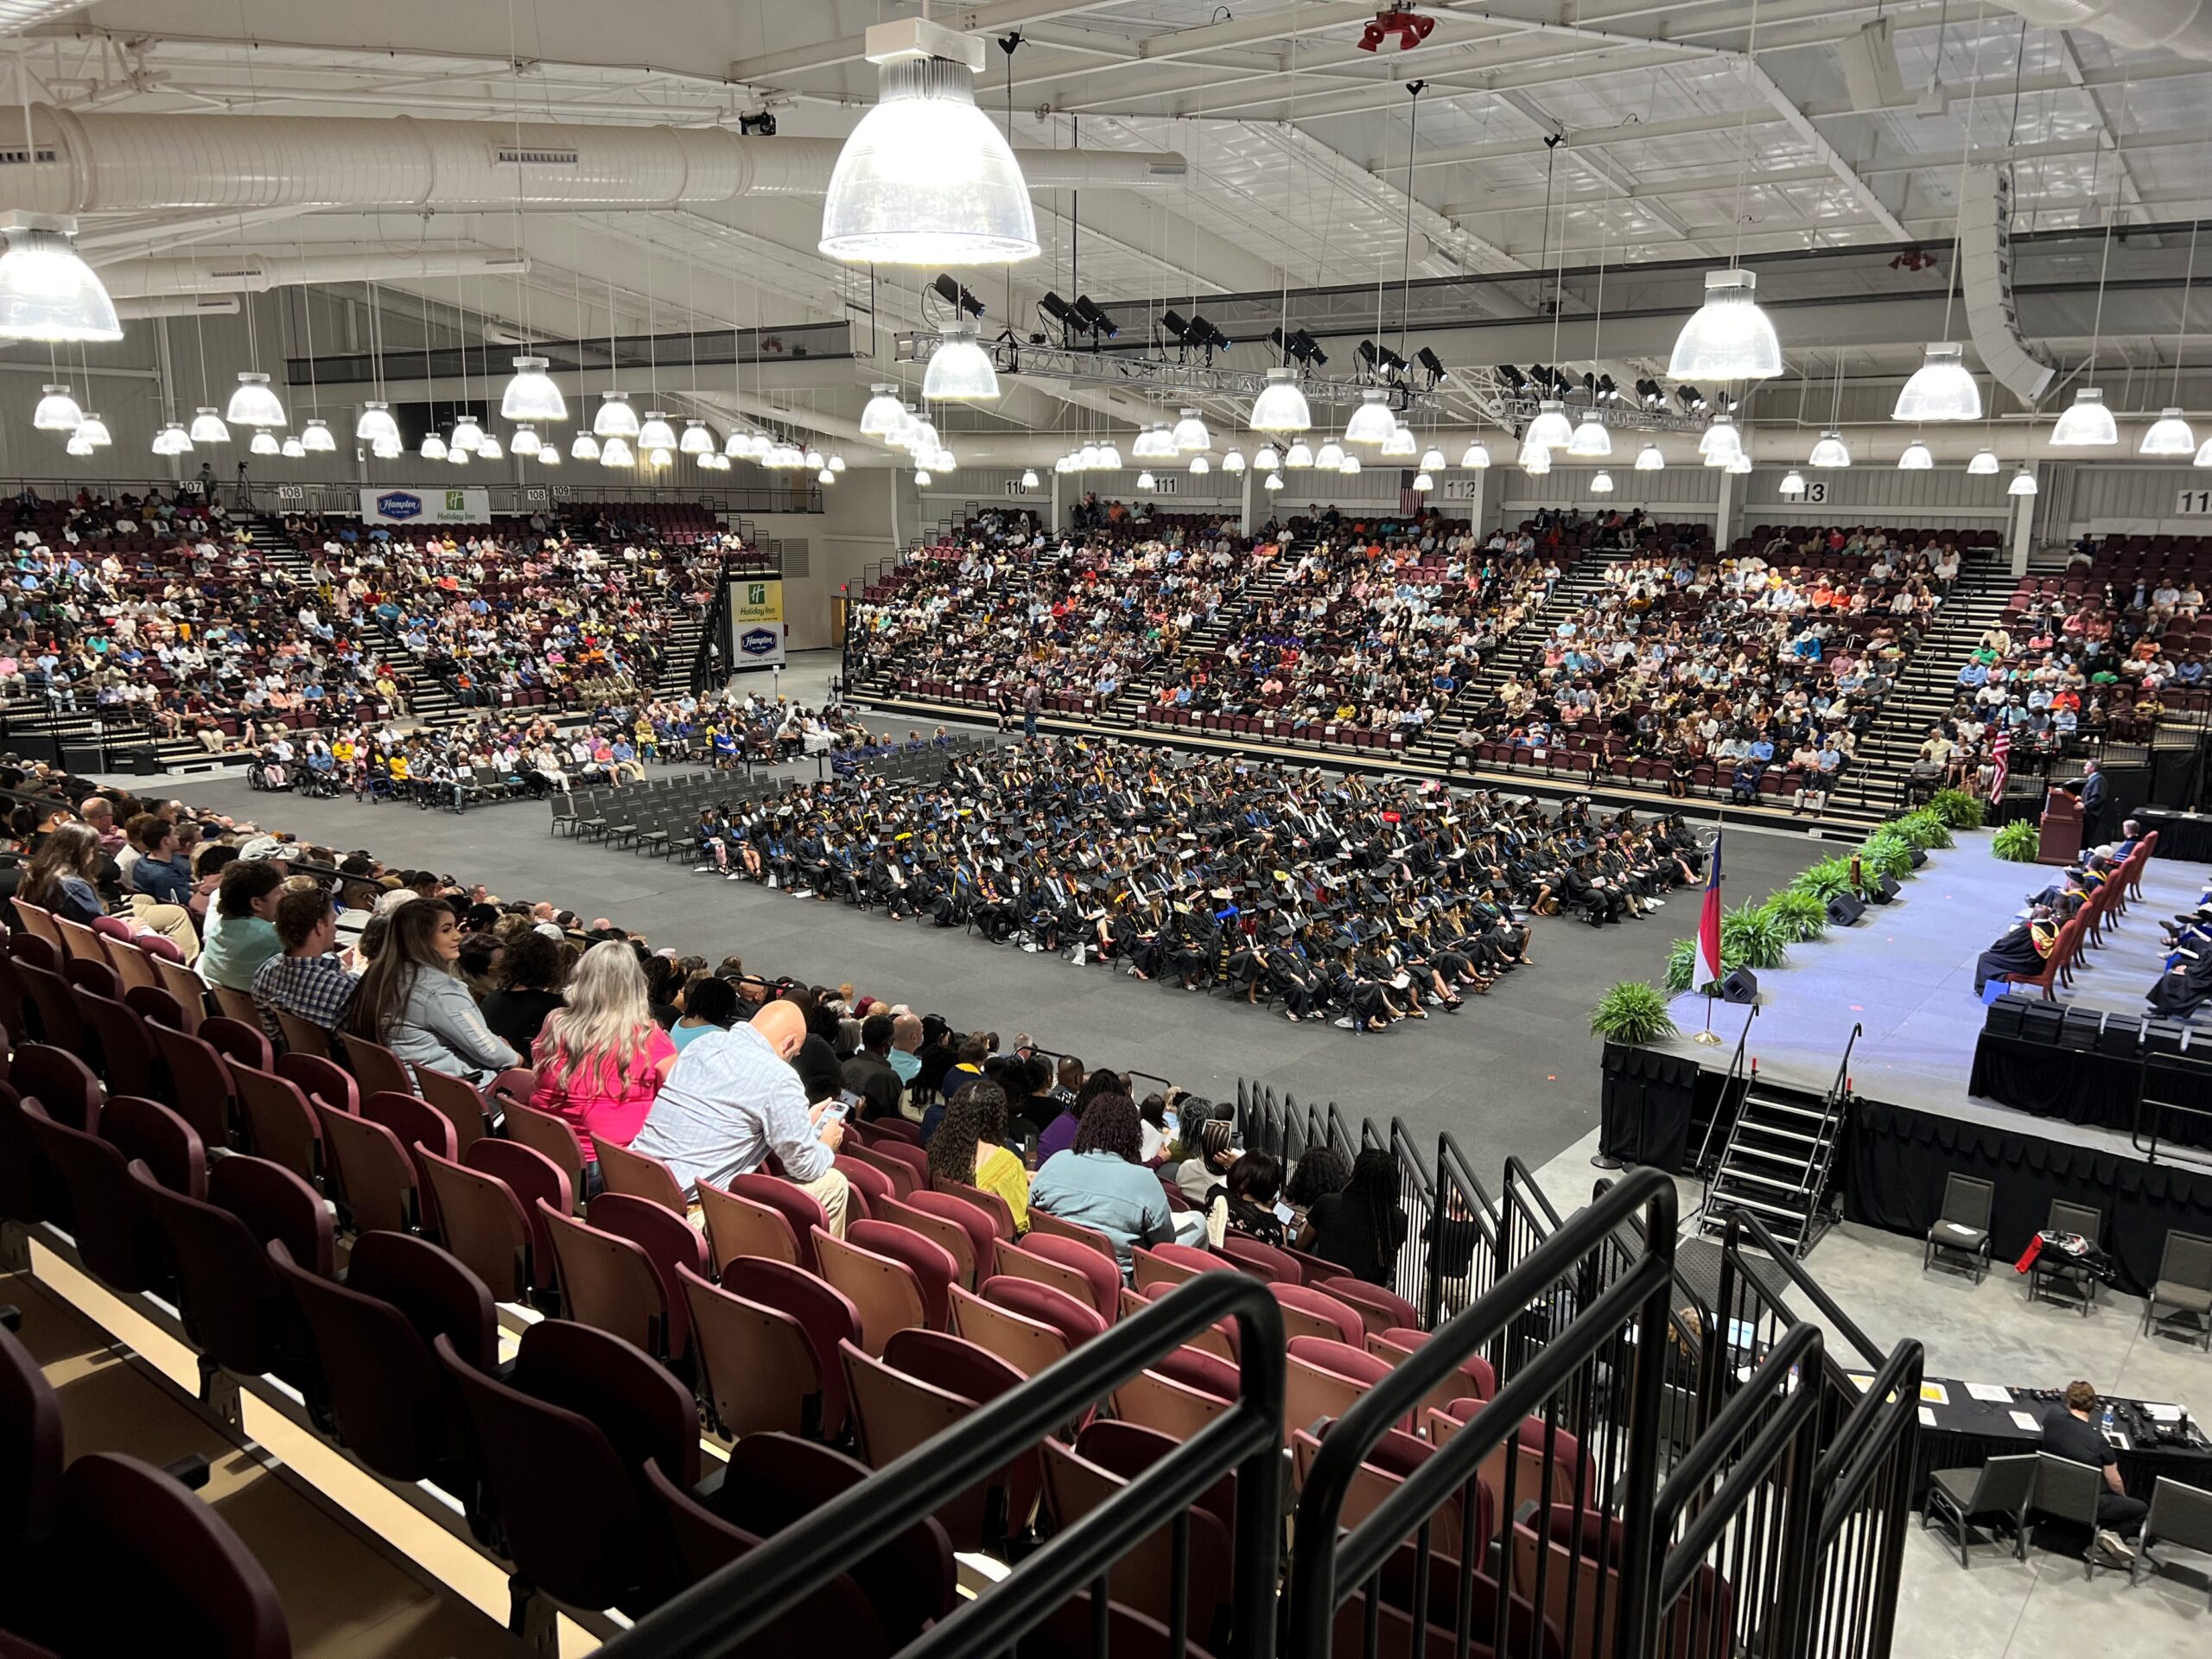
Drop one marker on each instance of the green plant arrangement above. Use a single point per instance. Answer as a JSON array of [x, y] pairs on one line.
[[1682, 962], [1886, 853], [1798, 915], [1924, 829], [1759, 940], [1631, 1011], [1824, 879], [2017, 842], [1957, 809]]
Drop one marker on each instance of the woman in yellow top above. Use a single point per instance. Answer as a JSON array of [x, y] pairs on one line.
[[970, 1147]]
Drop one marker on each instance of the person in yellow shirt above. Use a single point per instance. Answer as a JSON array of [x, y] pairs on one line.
[[969, 1147]]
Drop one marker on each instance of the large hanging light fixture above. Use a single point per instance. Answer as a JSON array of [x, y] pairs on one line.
[[584, 446], [1602, 483], [1110, 457], [2087, 423], [922, 479], [1280, 406], [1432, 459], [1940, 390], [1298, 454], [171, 440], [1274, 481], [467, 436], [207, 426], [2024, 483], [1233, 462], [1154, 443], [655, 433], [434, 446], [1348, 467], [616, 419], [698, 439], [1200, 466], [265, 442], [550, 455], [457, 457], [94, 430], [1029, 477], [47, 291], [960, 371], [1650, 460], [78, 445], [293, 449], [1550, 428], [525, 441], [814, 458], [1721, 444], [1916, 458], [1476, 456], [254, 404], [1793, 483], [1400, 444], [1741, 464], [489, 448], [2169, 435], [925, 179], [615, 452], [1729, 338], [1591, 439], [1424, 483], [375, 425], [57, 410], [2204, 455], [531, 396], [1191, 434], [1830, 453], [1984, 464], [1536, 459], [883, 414], [1146, 481], [1372, 423], [1266, 461], [1329, 456]]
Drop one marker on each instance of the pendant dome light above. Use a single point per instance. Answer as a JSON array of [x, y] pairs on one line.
[[1721, 444], [922, 479], [584, 446], [57, 410], [883, 416], [171, 440], [2204, 455], [531, 396], [467, 436], [207, 426], [1145, 480], [1400, 444], [1984, 464], [698, 439], [1200, 466], [525, 441], [47, 291], [2024, 483], [1063, 466], [1476, 456], [1110, 457], [375, 424], [1550, 428], [1372, 423], [1941, 389], [1029, 477], [293, 449], [1266, 461], [1280, 406], [960, 371], [78, 445], [616, 419], [457, 457], [813, 457], [1191, 434], [655, 433], [1090, 458], [1535, 459], [1830, 453], [1233, 462], [550, 455], [925, 179], [1916, 458], [434, 446], [1591, 439], [1649, 458], [615, 452], [94, 430], [254, 404], [489, 449], [1423, 482], [836, 464], [1329, 456], [1348, 467], [1155, 442], [265, 442], [2086, 424], [1793, 483], [1298, 455], [316, 438], [1432, 459], [2169, 435], [1729, 338]]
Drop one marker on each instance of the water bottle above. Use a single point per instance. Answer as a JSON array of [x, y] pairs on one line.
[[2108, 1425]]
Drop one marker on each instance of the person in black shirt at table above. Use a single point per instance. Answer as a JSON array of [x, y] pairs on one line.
[[2070, 1433]]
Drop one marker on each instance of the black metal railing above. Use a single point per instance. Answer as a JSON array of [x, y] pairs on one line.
[[714, 1616], [1409, 1275], [1733, 1087], [1463, 1237], [1577, 1420]]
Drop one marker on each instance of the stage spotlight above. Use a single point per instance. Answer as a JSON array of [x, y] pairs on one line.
[[1392, 365], [1175, 327], [957, 296], [1314, 355], [1204, 333], [1090, 317], [1513, 376], [1433, 364], [1607, 391]]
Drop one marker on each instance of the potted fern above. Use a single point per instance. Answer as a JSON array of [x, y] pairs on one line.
[[1631, 1011], [1797, 914], [2016, 842], [1957, 809]]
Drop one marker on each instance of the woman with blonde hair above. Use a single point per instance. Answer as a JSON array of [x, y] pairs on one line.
[[601, 1059]]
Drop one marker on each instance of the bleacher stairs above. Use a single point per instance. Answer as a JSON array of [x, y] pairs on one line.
[[1208, 639]]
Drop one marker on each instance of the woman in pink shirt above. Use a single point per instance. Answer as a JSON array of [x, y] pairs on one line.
[[600, 1060]]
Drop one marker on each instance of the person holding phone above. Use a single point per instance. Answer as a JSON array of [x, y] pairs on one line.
[[308, 981]]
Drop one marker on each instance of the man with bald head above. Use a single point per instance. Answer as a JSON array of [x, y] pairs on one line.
[[733, 1098]]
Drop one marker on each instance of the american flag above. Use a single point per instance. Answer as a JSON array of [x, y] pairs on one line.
[[2000, 758], [1409, 498]]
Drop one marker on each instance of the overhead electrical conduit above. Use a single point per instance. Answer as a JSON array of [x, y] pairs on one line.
[[102, 162], [240, 272]]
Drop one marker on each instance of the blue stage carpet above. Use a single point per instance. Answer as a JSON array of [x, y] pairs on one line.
[[1905, 973]]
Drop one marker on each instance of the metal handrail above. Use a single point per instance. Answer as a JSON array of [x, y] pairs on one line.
[[736, 1601], [1323, 1557], [1742, 1221], [1841, 1086], [1733, 1078]]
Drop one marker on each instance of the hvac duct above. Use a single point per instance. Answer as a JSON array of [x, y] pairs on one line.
[[1985, 256], [242, 272], [17, 16], [2181, 26], [113, 163], [179, 305]]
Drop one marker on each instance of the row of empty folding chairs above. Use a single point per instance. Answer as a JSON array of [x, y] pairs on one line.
[[609, 811]]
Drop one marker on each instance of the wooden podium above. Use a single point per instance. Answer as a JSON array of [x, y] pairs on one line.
[[2061, 842]]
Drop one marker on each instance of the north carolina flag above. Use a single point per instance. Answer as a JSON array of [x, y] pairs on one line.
[[1709, 921]]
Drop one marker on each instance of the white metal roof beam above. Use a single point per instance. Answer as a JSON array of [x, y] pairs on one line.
[[772, 68], [1809, 135], [2070, 65], [1607, 170]]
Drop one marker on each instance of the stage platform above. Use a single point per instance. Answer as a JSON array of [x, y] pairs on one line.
[[1905, 975]]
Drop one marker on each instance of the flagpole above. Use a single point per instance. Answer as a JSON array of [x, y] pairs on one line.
[[1709, 912], [1707, 1036]]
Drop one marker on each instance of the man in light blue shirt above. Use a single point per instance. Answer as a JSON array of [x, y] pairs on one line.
[[732, 1099]]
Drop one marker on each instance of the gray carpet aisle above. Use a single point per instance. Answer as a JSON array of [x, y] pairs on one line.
[[1518, 1072]]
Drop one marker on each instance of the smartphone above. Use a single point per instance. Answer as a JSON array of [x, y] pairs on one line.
[[834, 1113], [849, 1098], [1285, 1214]]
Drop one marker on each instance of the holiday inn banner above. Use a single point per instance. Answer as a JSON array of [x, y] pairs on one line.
[[756, 623], [444, 506]]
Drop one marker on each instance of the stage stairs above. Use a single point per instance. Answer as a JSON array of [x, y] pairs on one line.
[[1781, 1150]]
